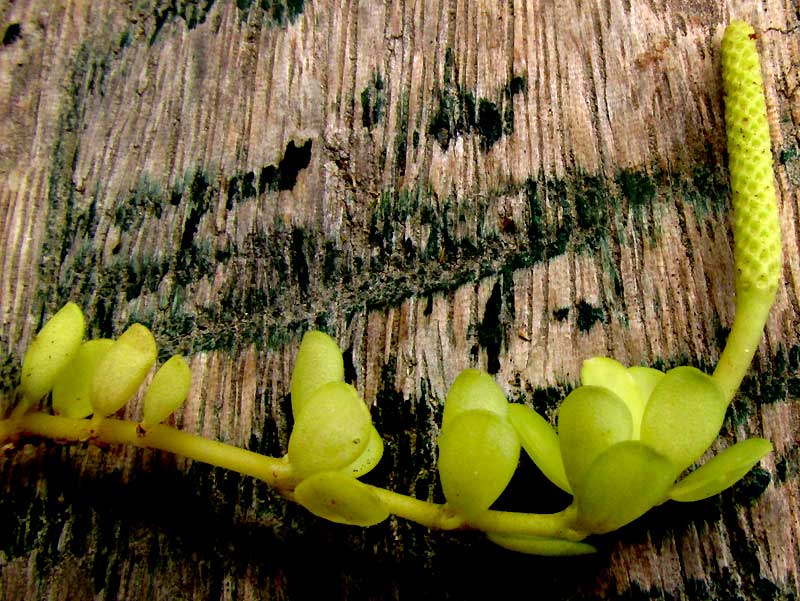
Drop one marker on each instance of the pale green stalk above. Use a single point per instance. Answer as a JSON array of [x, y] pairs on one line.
[[743, 340], [274, 471]]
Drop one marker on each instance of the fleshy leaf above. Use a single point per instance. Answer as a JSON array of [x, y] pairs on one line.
[[683, 416], [369, 458], [540, 441], [340, 498], [167, 391], [478, 454], [332, 430], [319, 361], [622, 484], [590, 420], [646, 379], [51, 351], [722, 471], [123, 369], [540, 545], [611, 374], [72, 387], [474, 389]]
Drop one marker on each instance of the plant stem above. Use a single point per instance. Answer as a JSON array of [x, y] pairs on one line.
[[431, 515], [748, 327], [274, 471], [441, 517], [552, 525]]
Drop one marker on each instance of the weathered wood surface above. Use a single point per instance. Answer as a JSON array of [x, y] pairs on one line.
[[440, 184]]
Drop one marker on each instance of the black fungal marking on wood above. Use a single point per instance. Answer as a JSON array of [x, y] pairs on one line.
[[401, 137], [547, 236], [295, 159], [275, 12], [707, 188], [12, 33], [144, 201], [333, 264], [428, 306], [516, 85], [241, 187], [270, 178], [491, 332], [637, 187], [546, 399], [751, 487], [192, 12], [787, 154], [592, 209], [199, 201], [588, 315], [373, 101], [350, 373], [458, 113], [490, 123], [787, 465], [294, 8], [561, 314], [299, 252]]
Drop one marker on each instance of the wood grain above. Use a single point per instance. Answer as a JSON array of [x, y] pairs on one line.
[[440, 184]]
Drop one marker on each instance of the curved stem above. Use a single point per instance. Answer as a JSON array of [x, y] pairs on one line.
[[552, 525], [748, 327], [275, 471], [432, 515]]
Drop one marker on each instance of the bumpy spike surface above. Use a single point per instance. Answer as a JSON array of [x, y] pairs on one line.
[[756, 225]]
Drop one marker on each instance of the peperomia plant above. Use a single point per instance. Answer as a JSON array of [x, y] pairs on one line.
[[624, 439]]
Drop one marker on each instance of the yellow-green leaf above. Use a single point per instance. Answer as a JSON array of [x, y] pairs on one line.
[[119, 374], [72, 387], [369, 458], [51, 351], [319, 361], [721, 471], [540, 441], [332, 430], [622, 484], [684, 415], [590, 420], [474, 389], [540, 545], [167, 390], [478, 454], [646, 379], [340, 498], [611, 374]]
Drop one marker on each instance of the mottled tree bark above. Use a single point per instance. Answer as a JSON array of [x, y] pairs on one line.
[[439, 184]]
